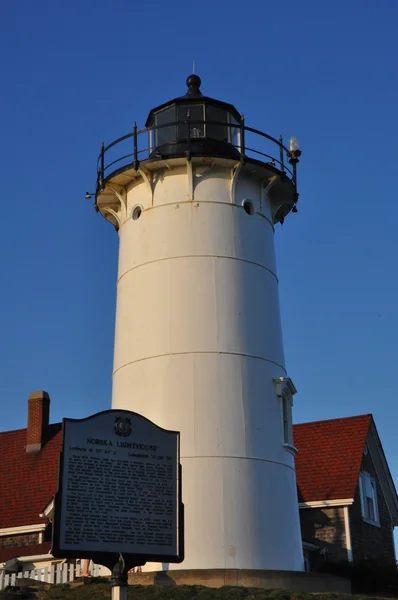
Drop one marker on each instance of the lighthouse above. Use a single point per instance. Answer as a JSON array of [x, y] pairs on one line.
[[195, 196]]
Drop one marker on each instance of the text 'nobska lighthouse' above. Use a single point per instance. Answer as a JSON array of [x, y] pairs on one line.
[[195, 197]]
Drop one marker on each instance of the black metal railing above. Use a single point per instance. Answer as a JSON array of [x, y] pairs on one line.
[[239, 136]]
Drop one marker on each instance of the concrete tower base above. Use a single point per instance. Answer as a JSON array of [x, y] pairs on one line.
[[299, 581]]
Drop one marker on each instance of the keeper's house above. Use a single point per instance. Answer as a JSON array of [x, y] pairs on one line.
[[347, 498]]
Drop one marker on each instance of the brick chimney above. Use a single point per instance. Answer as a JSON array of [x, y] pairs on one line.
[[38, 419]]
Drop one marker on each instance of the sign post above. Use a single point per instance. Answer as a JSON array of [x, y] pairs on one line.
[[119, 494]]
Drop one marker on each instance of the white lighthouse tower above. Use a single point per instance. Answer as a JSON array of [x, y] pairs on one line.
[[195, 197]]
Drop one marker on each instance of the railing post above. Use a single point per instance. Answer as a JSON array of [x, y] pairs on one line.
[[242, 135], [135, 146], [102, 162], [188, 122], [281, 159]]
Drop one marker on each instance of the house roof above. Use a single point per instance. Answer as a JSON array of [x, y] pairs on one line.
[[329, 457], [28, 481]]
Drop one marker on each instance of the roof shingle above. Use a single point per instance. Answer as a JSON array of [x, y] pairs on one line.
[[329, 457], [27, 481]]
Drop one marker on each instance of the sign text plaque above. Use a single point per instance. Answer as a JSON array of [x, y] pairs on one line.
[[119, 491]]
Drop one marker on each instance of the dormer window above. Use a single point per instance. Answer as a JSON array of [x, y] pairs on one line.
[[368, 494]]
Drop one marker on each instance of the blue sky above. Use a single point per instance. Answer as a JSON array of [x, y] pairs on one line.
[[76, 73]]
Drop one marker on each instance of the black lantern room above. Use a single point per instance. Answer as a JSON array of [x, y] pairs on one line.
[[194, 124]]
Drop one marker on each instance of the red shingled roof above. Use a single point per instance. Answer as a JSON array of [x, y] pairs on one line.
[[27, 481], [329, 457]]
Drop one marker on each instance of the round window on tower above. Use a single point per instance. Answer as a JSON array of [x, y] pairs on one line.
[[136, 212], [248, 206]]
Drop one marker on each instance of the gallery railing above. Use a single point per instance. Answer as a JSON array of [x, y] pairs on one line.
[[140, 144]]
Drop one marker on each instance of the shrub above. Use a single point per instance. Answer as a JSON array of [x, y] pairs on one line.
[[368, 576]]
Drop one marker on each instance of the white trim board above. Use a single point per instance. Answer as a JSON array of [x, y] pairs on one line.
[[36, 558], [39, 558], [22, 529], [326, 503], [48, 510], [348, 534]]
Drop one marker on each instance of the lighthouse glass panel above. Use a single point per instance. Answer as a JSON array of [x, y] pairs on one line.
[[165, 135], [235, 133], [217, 132], [196, 118]]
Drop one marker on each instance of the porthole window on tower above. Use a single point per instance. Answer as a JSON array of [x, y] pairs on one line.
[[136, 212], [249, 207]]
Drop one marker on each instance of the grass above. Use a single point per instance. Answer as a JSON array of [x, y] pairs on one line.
[[95, 590]]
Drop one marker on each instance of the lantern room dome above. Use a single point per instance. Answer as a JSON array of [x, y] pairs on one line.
[[196, 124]]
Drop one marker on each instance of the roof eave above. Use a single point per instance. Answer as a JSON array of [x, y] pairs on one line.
[[326, 503]]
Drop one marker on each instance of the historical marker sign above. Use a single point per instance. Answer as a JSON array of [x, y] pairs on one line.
[[119, 490]]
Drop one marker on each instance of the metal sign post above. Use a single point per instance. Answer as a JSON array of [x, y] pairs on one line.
[[119, 494], [119, 580]]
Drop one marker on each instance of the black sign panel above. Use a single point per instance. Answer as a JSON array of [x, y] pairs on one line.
[[119, 491]]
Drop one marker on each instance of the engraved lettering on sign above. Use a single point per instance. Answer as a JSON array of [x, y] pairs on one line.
[[119, 488], [116, 500]]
